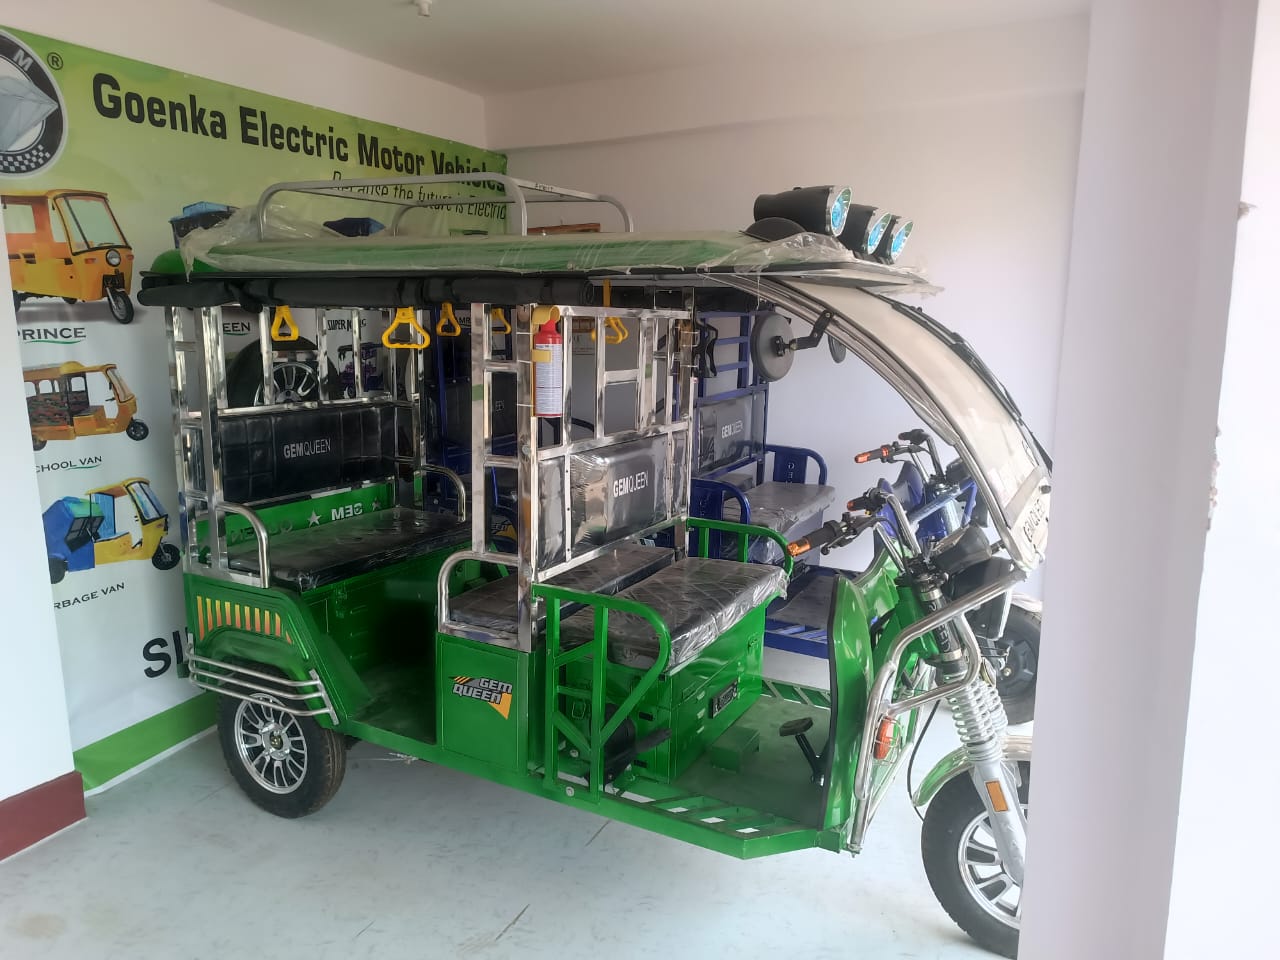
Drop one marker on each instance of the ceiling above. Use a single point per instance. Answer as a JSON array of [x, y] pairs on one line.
[[497, 46]]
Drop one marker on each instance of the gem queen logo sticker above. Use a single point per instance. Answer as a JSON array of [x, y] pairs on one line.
[[496, 693], [33, 124]]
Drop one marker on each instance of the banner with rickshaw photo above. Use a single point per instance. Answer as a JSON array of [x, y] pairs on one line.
[[105, 163]]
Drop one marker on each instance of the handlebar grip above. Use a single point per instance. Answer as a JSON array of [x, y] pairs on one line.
[[914, 436], [815, 540], [879, 453]]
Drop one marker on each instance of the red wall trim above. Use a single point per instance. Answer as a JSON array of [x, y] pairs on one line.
[[34, 814]]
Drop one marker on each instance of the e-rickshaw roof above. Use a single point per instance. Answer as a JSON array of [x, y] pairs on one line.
[[809, 276], [119, 489], [53, 194], [56, 370]]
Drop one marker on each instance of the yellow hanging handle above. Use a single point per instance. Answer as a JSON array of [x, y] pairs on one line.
[[498, 314], [448, 325], [283, 329], [406, 316], [617, 331]]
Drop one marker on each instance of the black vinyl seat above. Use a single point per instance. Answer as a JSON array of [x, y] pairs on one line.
[[492, 606], [697, 598], [315, 556]]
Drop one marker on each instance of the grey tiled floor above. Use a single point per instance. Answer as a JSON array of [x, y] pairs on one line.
[[415, 861]]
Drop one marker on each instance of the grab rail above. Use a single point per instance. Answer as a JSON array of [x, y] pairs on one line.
[[517, 191], [259, 532], [558, 724]]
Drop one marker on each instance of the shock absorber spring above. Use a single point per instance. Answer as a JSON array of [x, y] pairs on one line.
[[980, 720]]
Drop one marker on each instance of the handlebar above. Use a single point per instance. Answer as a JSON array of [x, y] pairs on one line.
[[909, 443], [833, 533]]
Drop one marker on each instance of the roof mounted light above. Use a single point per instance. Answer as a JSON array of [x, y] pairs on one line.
[[894, 240], [817, 209], [865, 229]]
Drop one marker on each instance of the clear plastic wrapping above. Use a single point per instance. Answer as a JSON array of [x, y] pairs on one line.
[[698, 600], [314, 556], [493, 605], [780, 506], [292, 244]]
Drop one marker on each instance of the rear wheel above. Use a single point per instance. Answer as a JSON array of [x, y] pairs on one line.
[[37, 443], [964, 866], [166, 557], [137, 430], [120, 304], [1017, 680], [70, 300], [290, 766], [57, 570]]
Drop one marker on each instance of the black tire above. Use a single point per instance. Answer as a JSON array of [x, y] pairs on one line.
[[137, 430], [946, 825], [166, 557], [120, 305], [1017, 680], [57, 570], [244, 373], [70, 301], [325, 757], [38, 444], [17, 301]]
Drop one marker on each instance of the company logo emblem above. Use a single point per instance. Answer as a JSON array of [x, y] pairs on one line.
[[33, 124], [496, 693]]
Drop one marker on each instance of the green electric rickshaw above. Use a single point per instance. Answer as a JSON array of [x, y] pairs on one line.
[[341, 587]]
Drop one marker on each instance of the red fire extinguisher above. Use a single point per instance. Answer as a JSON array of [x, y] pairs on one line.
[[548, 363]]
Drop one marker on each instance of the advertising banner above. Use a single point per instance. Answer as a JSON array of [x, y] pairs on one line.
[[106, 162]]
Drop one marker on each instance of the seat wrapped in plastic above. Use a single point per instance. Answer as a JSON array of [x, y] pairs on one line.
[[787, 508], [698, 599], [314, 556], [492, 606]]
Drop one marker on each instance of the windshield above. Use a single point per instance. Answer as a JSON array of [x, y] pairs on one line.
[[955, 395], [147, 503], [91, 224]]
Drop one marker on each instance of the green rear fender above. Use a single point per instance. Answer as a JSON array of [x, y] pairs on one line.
[[294, 644]]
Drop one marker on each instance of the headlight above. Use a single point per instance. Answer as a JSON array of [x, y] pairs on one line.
[[865, 229], [817, 209], [113, 258], [894, 240]]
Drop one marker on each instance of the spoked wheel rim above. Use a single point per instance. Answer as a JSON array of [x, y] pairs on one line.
[[294, 382], [270, 744], [984, 876]]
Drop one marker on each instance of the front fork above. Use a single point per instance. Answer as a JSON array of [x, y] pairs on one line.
[[981, 724]]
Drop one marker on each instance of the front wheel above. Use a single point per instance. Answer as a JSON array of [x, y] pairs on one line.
[[964, 866], [120, 304], [290, 766], [1018, 676], [166, 557], [137, 430]]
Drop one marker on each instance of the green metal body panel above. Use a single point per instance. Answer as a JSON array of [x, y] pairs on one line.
[[681, 701], [484, 701]]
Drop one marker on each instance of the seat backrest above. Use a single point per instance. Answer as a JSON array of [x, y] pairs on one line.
[[277, 454], [730, 433], [615, 492]]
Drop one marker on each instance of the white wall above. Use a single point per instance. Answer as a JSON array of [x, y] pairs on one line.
[[211, 41], [1160, 162], [1230, 720], [36, 745], [978, 145]]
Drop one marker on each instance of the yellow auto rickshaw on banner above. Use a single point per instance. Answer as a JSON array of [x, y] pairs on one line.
[[59, 405], [68, 244]]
